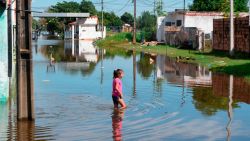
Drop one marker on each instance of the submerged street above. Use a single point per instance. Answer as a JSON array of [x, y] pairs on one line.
[[167, 100]]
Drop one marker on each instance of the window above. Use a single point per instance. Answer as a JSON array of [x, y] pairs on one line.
[[207, 36], [173, 23], [178, 23], [168, 24]]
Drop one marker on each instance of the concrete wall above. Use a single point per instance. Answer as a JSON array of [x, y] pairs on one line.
[[90, 32], [4, 80], [202, 22], [221, 40]]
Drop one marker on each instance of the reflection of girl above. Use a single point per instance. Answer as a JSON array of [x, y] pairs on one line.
[[117, 95], [117, 118]]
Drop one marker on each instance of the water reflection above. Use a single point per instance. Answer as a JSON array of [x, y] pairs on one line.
[[134, 73], [230, 108], [4, 110], [81, 50], [145, 65], [155, 87], [117, 118]]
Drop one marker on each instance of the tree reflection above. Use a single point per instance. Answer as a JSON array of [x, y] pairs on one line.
[[112, 52], [208, 103], [145, 66]]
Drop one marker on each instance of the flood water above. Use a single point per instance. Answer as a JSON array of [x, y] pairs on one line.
[[167, 100]]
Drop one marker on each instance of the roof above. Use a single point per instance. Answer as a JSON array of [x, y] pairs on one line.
[[205, 13], [61, 15]]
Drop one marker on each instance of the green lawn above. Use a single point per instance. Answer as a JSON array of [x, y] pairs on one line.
[[217, 61]]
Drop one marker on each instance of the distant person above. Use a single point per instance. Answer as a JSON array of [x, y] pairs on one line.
[[117, 94]]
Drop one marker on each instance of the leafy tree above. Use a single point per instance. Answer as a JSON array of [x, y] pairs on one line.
[[35, 24], [147, 23], [159, 8], [110, 19], [127, 18], [218, 5], [88, 6], [65, 7], [54, 26]]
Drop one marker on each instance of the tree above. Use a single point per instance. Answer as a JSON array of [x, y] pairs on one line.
[[110, 19], [65, 7], [218, 5], [127, 18], [88, 6], [159, 8], [147, 24], [54, 26]]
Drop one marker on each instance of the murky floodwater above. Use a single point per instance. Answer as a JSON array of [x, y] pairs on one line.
[[167, 100]]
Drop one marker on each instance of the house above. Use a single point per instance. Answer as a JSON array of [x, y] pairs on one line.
[[200, 24], [127, 28], [179, 18], [201, 20], [85, 28]]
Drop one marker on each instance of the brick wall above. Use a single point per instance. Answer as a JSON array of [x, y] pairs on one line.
[[221, 34]]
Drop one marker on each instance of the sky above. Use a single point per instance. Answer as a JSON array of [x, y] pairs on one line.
[[118, 6]]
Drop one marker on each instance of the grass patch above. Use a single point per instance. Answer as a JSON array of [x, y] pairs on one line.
[[216, 61]]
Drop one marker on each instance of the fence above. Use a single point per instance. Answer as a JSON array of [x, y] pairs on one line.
[[221, 34]]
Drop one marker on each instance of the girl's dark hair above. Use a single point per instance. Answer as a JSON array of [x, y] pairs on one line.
[[117, 73]]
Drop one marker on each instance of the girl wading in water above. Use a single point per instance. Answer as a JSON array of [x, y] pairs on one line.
[[117, 94]]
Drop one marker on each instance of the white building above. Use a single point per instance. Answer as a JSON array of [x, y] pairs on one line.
[[178, 18], [201, 20], [85, 28]]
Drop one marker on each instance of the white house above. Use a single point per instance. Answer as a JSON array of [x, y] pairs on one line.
[[85, 28], [200, 20]]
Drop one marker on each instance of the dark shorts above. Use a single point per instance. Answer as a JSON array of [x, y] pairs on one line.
[[116, 99]]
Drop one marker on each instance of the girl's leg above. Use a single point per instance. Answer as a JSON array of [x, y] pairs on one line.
[[116, 106], [115, 101], [122, 103]]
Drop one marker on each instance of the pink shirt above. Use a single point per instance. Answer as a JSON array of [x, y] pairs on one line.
[[118, 82]]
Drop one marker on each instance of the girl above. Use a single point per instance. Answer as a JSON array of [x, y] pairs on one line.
[[117, 94]]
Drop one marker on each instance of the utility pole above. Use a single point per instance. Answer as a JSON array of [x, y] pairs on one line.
[[9, 40], [231, 28], [25, 91], [249, 11], [102, 20], [154, 8], [134, 33], [184, 10]]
